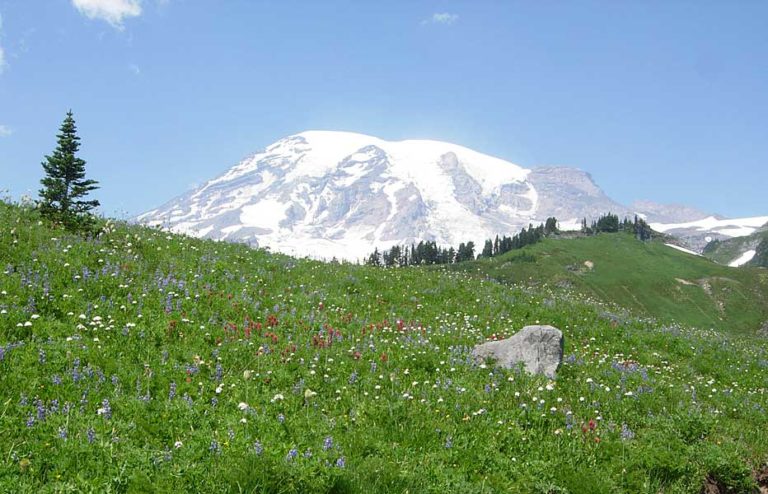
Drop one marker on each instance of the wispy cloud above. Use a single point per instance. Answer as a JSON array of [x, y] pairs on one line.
[[5, 131], [112, 11], [135, 69], [444, 18]]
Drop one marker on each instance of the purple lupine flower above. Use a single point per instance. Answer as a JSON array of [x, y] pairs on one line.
[[115, 381], [281, 418], [214, 447], [231, 434], [56, 379], [626, 433], [83, 401], [54, 407], [62, 433], [214, 401], [30, 420], [40, 409], [172, 391], [41, 356], [448, 442], [219, 371], [327, 443], [91, 435], [352, 378], [341, 462], [293, 453], [105, 410], [308, 453], [258, 448]]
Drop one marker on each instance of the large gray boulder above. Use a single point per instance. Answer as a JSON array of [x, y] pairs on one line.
[[539, 348]]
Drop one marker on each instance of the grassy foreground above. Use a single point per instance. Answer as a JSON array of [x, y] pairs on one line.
[[147, 362]]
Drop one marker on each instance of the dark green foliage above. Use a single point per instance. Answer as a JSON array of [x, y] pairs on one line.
[[761, 255], [430, 253], [610, 223], [65, 185], [487, 249], [550, 226], [466, 252]]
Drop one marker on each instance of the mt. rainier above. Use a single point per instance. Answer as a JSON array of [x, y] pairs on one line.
[[340, 194]]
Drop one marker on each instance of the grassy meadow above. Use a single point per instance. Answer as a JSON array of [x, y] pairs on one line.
[[141, 361], [647, 278]]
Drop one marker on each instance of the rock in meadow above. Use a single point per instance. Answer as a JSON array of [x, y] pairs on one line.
[[539, 348]]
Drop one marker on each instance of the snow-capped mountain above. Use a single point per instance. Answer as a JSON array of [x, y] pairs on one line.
[[339, 194]]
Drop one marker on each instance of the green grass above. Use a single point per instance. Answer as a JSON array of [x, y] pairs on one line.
[[648, 278], [146, 362]]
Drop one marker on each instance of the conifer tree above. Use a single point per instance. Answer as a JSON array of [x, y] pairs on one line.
[[488, 249], [64, 185]]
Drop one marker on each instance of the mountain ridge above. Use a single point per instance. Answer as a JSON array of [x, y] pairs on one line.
[[337, 194]]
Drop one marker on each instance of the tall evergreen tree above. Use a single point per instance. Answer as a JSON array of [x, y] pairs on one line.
[[488, 249], [64, 185]]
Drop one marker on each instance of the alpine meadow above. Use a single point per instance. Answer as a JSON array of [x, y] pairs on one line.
[[383, 247]]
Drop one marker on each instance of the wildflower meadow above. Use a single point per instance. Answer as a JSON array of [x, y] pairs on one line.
[[135, 360]]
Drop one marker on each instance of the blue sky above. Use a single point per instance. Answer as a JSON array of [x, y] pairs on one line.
[[660, 100]]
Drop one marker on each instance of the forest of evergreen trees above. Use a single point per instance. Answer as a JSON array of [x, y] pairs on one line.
[[430, 253], [610, 223]]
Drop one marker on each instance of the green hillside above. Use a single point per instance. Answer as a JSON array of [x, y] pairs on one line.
[[646, 277], [725, 251], [140, 361]]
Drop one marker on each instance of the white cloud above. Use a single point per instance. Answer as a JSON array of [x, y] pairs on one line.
[[444, 18], [112, 11], [5, 131]]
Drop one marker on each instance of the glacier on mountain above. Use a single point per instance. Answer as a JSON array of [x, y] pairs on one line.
[[328, 194]]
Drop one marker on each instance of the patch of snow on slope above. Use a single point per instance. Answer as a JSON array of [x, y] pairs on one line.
[[743, 259], [266, 214], [683, 249]]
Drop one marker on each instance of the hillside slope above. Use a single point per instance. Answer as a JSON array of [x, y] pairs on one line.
[[649, 278], [740, 250], [146, 362]]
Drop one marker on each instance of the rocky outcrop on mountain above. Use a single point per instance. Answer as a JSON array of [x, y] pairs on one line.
[[568, 193], [669, 213]]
